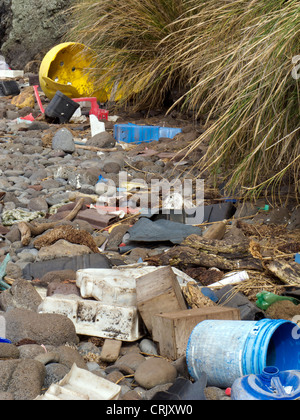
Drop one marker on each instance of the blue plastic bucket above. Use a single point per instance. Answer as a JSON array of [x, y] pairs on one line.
[[227, 350]]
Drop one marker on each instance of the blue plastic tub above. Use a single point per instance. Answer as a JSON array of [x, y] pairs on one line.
[[132, 133], [228, 350], [270, 385]]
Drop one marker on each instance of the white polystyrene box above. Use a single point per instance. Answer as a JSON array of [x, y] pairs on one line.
[[96, 318], [80, 384], [117, 286]]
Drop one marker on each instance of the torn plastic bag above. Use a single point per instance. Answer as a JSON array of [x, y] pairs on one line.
[[161, 230]]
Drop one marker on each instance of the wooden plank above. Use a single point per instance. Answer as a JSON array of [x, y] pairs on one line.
[[172, 330], [158, 292]]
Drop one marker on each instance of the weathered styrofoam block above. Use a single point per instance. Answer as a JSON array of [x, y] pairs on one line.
[[117, 286], [11, 73], [96, 318], [80, 384]]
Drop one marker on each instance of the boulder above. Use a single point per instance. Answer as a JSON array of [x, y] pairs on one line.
[[52, 329], [155, 372]]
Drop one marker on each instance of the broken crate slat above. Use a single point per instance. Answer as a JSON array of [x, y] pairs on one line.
[[172, 330], [157, 292]]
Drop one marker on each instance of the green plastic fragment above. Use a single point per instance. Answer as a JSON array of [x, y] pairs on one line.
[[265, 208], [266, 299]]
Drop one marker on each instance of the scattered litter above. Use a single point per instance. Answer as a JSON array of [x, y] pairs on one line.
[[11, 74], [271, 384], [132, 133], [64, 69], [96, 125], [101, 114], [80, 384], [248, 345], [60, 109], [265, 299], [231, 278]]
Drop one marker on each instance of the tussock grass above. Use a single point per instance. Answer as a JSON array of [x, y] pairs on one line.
[[233, 61]]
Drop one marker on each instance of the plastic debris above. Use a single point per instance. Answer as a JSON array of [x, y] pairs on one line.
[[64, 68], [265, 299], [80, 384], [271, 384], [132, 133]]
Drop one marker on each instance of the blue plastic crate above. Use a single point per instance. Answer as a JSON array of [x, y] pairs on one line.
[[132, 133], [297, 258]]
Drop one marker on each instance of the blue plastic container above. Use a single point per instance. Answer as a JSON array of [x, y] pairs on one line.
[[132, 133], [270, 385], [227, 350], [4, 340]]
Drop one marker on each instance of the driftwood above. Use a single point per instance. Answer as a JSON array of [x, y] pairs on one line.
[[196, 250], [288, 273], [195, 297], [217, 247], [28, 230]]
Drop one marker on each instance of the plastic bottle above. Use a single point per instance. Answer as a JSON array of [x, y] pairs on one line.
[[3, 64], [265, 299]]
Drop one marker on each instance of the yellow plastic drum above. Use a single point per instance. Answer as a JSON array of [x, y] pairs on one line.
[[66, 68]]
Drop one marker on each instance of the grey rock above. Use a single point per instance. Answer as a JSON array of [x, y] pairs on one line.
[[279, 215], [52, 329], [38, 175], [13, 270], [21, 295], [23, 378], [102, 140], [89, 351], [5, 184], [38, 204], [14, 234], [20, 43], [63, 140], [30, 351], [50, 184], [294, 222], [155, 372], [147, 346], [9, 351], [6, 396], [132, 360], [68, 356], [55, 372]]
